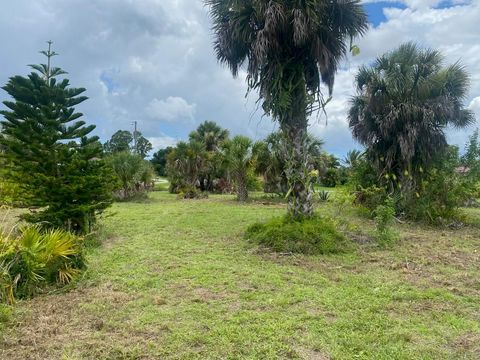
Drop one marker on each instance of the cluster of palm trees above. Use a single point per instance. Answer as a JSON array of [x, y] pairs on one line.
[[404, 102], [211, 161]]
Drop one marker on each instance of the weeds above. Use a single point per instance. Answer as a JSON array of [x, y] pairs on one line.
[[384, 219]]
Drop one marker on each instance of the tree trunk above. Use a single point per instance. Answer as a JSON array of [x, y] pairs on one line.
[[298, 171], [242, 191]]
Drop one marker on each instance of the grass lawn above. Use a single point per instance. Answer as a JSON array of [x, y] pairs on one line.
[[174, 279]]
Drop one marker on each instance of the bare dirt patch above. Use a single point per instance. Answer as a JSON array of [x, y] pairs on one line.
[[309, 354]]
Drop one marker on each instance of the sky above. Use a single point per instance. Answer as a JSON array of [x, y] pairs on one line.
[[152, 61]]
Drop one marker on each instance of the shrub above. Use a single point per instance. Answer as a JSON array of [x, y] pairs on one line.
[[342, 199], [370, 197], [191, 192], [254, 183], [384, 218], [35, 258], [316, 235], [6, 312], [441, 192], [9, 192], [439, 199], [145, 176], [330, 178]]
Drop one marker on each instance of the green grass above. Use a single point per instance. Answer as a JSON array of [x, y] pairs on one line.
[[174, 279]]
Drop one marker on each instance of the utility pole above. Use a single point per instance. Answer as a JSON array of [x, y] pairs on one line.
[[135, 137]]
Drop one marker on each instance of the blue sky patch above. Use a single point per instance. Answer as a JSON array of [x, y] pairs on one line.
[[108, 81], [375, 11]]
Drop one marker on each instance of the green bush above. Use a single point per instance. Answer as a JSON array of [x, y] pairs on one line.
[[342, 198], [370, 197], [34, 258], [316, 235], [191, 192], [384, 218], [330, 178], [438, 201], [9, 192], [440, 193], [5, 314], [476, 190], [254, 183]]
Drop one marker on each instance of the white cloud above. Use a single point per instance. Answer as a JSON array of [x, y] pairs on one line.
[[475, 106], [164, 48], [171, 109], [162, 141]]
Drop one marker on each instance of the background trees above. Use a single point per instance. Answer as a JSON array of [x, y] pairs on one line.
[[270, 163], [49, 154], [159, 161], [134, 174], [125, 154], [404, 103], [204, 145], [120, 141], [471, 158], [124, 140], [289, 48]]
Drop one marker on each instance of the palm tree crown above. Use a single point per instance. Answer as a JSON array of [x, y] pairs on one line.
[[290, 46], [210, 134], [403, 105]]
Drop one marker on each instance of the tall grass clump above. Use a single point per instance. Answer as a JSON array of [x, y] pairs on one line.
[[315, 235]]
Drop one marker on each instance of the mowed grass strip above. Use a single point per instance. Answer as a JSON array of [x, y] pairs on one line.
[[175, 280]]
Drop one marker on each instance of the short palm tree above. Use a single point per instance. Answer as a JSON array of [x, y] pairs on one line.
[[288, 48], [212, 136], [184, 164], [239, 160], [404, 103], [126, 167]]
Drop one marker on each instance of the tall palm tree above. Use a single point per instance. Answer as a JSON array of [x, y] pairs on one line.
[[404, 103], [239, 160], [288, 48]]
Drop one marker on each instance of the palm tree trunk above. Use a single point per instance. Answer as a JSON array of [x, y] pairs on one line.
[[242, 191], [298, 168]]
